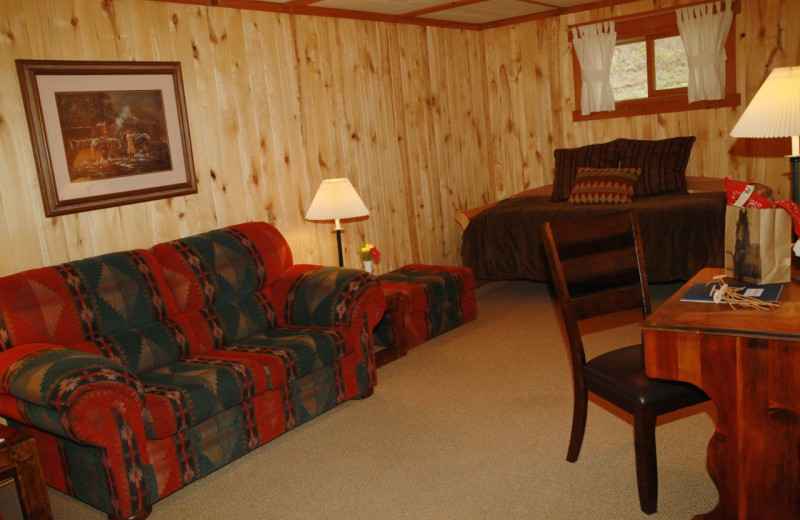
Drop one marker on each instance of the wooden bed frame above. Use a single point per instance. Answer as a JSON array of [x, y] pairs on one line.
[[693, 184]]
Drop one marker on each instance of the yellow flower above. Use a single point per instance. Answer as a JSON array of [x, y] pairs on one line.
[[369, 252]]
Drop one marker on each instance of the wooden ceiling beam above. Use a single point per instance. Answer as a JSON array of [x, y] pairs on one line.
[[555, 12], [543, 4], [308, 7], [299, 3], [310, 10], [441, 7]]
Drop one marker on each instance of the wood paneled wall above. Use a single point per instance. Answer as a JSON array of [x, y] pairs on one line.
[[424, 121], [276, 104], [530, 99]]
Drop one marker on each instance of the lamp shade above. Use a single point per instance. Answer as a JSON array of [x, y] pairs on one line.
[[775, 109], [336, 199]]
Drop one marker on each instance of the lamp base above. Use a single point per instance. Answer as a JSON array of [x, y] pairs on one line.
[[795, 269], [794, 160], [339, 246]]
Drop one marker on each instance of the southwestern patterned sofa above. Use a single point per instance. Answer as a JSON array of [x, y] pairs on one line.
[[139, 372]]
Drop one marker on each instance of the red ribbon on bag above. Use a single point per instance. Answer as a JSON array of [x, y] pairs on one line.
[[743, 195]]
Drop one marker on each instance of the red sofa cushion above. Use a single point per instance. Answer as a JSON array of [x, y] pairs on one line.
[[185, 393], [117, 305], [224, 265]]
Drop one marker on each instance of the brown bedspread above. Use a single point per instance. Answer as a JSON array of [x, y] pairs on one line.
[[681, 234]]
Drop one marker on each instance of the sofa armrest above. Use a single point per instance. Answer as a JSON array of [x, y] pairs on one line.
[[91, 400], [55, 377], [316, 296]]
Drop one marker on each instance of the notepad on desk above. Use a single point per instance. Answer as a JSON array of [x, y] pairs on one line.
[[703, 292]]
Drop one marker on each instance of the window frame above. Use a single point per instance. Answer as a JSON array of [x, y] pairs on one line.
[[650, 26], [652, 91]]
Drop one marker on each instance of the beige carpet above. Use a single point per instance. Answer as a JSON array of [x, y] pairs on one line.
[[471, 425]]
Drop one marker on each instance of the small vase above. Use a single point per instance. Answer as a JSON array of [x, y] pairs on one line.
[[368, 265]]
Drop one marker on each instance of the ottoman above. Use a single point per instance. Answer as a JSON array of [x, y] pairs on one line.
[[437, 298]]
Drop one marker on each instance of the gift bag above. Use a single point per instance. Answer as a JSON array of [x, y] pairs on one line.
[[758, 244]]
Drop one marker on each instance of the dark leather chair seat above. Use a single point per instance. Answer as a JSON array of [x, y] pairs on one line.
[[621, 372]]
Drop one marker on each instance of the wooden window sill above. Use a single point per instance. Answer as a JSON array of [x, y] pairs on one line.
[[661, 105]]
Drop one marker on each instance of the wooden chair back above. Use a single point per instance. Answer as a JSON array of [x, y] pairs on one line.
[[597, 267]]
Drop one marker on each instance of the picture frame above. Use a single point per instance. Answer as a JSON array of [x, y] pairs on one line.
[[107, 133]]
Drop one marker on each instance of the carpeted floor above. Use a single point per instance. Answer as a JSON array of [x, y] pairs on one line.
[[471, 425]]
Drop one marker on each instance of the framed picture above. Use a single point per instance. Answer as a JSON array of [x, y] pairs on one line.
[[107, 133]]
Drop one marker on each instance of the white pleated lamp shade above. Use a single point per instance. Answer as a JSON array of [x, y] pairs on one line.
[[775, 109], [336, 199]]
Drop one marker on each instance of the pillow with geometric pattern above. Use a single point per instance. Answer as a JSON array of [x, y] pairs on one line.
[[604, 185]]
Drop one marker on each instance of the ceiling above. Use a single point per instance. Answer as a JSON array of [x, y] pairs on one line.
[[464, 14]]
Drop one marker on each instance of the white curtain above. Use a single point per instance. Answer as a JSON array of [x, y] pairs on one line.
[[594, 45], [703, 32]]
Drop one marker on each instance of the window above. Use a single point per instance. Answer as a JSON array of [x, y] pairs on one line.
[[629, 71], [629, 68], [672, 66], [649, 71]]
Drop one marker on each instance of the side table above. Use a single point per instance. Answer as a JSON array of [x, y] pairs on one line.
[[396, 310], [19, 458]]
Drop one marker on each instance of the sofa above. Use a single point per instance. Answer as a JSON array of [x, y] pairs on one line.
[[139, 372]]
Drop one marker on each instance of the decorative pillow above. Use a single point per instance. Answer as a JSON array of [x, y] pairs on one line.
[[604, 186], [663, 163], [568, 160]]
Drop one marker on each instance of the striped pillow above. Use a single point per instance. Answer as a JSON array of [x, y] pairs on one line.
[[604, 186], [568, 160], [663, 163]]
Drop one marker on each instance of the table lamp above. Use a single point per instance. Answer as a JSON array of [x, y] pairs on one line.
[[336, 199], [775, 112]]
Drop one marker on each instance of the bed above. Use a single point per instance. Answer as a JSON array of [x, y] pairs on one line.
[[682, 230]]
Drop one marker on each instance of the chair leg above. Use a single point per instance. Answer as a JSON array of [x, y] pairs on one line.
[[644, 432], [579, 407]]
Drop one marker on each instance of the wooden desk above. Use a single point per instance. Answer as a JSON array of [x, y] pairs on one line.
[[748, 362]]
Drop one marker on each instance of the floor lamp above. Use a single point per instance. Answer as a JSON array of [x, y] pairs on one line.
[[775, 112], [336, 199]]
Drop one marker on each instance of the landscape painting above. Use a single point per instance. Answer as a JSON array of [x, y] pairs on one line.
[[106, 134]]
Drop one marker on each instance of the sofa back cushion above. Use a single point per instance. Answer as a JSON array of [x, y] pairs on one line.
[[146, 347], [568, 160], [223, 265], [663, 163], [116, 304], [218, 279]]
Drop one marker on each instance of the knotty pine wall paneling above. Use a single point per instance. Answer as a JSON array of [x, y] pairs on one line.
[[276, 104], [416, 142], [422, 120], [412, 102], [459, 135], [529, 70]]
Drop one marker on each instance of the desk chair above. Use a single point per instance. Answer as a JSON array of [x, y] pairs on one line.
[[597, 267]]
